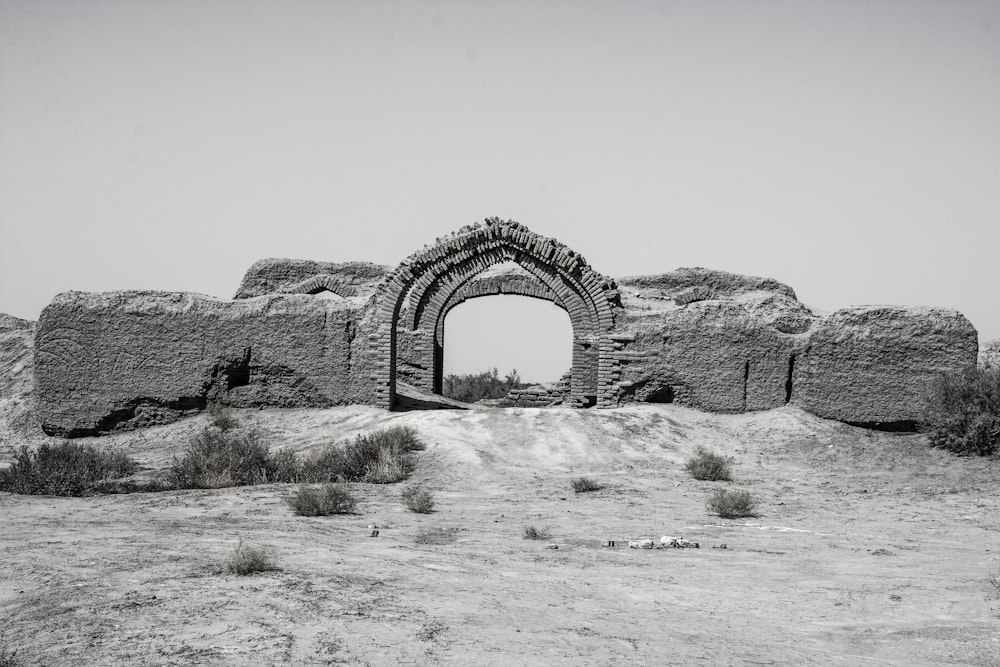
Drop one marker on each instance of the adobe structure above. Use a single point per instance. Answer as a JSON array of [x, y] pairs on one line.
[[707, 339]]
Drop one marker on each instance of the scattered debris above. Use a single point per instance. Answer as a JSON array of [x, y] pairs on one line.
[[666, 542], [677, 543]]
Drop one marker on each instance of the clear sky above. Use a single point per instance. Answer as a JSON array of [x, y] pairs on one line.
[[849, 149]]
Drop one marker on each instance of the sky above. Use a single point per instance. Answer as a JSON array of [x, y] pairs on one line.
[[849, 149]]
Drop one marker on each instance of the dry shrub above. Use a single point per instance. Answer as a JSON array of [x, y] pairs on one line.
[[222, 418], [586, 485], [236, 457], [246, 559], [709, 466], [962, 412], [732, 504], [380, 457], [479, 386], [533, 533], [65, 469], [430, 630], [322, 501], [419, 499]]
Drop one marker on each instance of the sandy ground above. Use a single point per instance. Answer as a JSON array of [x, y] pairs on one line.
[[871, 549]]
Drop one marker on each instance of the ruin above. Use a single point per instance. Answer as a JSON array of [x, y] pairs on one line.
[[708, 339]]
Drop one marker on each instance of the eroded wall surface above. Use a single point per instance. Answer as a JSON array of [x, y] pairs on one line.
[[873, 364], [127, 359]]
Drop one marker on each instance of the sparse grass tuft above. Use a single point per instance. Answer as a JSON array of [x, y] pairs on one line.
[[322, 501], [709, 466], [236, 457], [532, 533], [66, 469], [732, 504], [962, 412], [586, 485], [430, 630], [246, 560], [419, 499], [437, 536], [222, 417]]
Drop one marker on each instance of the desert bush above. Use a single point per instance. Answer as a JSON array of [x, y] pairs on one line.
[[238, 457], [962, 412], [322, 501], [246, 559], [709, 466], [430, 630], [419, 499], [65, 469], [380, 457], [533, 533], [732, 504], [586, 485], [286, 466], [222, 417], [477, 386]]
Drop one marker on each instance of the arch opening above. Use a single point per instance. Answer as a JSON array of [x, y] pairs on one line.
[[531, 336]]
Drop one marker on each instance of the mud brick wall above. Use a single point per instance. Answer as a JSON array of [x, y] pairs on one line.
[[709, 339], [126, 359], [872, 365]]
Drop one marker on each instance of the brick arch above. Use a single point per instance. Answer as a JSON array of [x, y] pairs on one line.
[[430, 277], [510, 284], [320, 283], [425, 304], [428, 324]]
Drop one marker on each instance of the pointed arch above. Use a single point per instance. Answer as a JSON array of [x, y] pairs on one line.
[[429, 279]]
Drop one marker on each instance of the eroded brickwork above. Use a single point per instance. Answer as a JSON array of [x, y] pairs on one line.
[[427, 280]]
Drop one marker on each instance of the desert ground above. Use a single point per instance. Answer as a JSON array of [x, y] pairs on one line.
[[870, 549]]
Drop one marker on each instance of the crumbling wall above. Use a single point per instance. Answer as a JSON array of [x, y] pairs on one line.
[[712, 355], [709, 339], [274, 276], [127, 359], [872, 365], [18, 416]]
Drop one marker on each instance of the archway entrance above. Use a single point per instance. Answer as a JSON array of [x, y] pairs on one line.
[[509, 333], [415, 298]]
